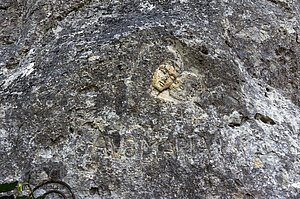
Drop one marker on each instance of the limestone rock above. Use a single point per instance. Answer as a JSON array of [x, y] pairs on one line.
[[84, 97]]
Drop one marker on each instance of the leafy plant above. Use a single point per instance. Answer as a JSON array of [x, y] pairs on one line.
[[17, 187], [8, 187]]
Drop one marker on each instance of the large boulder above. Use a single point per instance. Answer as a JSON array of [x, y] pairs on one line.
[[152, 98]]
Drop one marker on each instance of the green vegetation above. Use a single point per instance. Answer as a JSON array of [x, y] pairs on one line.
[[17, 190]]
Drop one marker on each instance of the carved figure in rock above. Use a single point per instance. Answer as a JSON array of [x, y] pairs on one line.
[[178, 89], [172, 85], [164, 76]]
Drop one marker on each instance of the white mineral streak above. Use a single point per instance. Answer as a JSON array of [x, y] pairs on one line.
[[3, 133], [47, 154], [147, 6], [296, 185], [57, 30], [22, 72]]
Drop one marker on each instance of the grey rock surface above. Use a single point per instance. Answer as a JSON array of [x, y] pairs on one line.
[[152, 98]]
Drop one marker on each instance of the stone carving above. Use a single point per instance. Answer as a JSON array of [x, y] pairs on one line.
[[170, 84], [164, 76], [134, 147]]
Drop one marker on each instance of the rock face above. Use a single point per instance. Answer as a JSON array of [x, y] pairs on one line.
[[152, 98]]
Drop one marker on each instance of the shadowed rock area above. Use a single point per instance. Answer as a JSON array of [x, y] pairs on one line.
[[152, 98]]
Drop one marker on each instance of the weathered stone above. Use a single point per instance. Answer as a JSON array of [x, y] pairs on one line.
[[81, 99]]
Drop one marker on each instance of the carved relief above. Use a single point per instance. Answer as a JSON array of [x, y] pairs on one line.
[[165, 76], [170, 84], [148, 150], [175, 79]]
